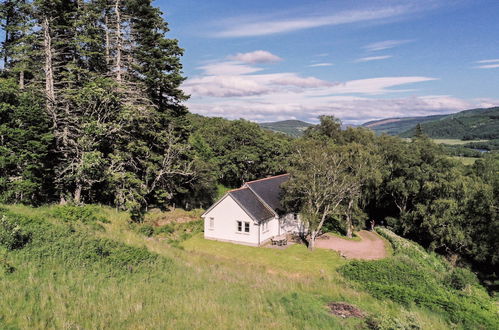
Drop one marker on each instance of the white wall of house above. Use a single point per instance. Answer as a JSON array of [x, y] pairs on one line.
[[291, 224], [269, 229], [225, 216]]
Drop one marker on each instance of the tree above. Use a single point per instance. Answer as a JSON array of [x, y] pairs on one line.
[[320, 180]]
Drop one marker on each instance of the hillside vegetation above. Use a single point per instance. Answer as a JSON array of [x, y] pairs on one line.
[[475, 124], [89, 267], [396, 126], [293, 128]]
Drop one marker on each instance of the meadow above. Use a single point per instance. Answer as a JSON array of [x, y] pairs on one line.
[[90, 268]]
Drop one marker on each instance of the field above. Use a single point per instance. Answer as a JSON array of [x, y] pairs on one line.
[[454, 142], [93, 269], [465, 160]]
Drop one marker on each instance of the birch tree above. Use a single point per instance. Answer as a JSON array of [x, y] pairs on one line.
[[320, 181]]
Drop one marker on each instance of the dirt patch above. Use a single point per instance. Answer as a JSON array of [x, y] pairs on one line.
[[370, 247], [345, 310]]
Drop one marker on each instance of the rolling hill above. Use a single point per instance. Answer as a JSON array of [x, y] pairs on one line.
[[396, 126], [469, 125], [472, 124], [294, 128]]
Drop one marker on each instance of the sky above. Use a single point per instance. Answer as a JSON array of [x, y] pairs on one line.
[[357, 60]]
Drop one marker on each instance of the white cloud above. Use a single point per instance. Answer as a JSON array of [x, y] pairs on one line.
[[320, 64], [488, 66], [258, 56], [373, 58], [266, 26], [235, 90], [387, 44], [488, 61], [228, 68], [352, 110]]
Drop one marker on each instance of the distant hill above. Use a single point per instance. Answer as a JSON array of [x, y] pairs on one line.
[[396, 126], [469, 124], [294, 128], [472, 124]]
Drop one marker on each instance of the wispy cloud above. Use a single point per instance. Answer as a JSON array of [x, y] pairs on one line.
[[258, 56], [387, 44], [229, 68], [320, 64], [265, 26], [488, 64], [488, 61], [373, 58]]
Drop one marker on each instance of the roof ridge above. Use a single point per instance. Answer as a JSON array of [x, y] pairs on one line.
[[236, 189], [270, 177]]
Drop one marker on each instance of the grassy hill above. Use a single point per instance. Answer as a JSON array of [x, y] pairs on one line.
[[294, 128], [472, 124], [89, 267], [396, 126]]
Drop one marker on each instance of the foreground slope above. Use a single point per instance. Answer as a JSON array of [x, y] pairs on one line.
[[90, 268]]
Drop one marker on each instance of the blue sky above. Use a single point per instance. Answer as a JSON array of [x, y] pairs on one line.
[[357, 60]]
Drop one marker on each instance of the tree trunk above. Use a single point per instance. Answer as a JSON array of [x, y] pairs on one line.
[[349, 219], [21, 79], [311, 241], [49, 71], [77, 193], [119, 41], [108, 43]]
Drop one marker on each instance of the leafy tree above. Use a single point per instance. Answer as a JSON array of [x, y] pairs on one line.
[[320, 181]]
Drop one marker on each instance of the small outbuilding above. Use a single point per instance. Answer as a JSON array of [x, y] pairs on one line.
[[252, 214]]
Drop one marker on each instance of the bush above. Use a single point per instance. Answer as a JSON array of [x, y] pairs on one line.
[[5, 267], [74, 213], [146, 230], [407, 321], [11, 235], [460, 278]]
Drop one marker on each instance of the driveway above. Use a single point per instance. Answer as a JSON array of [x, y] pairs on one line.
[[370, 247]]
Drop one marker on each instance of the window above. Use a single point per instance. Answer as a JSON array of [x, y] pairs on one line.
[[265, 226], [212, 223], [240, 227]]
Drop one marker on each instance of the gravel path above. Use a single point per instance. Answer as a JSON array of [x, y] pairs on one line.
[[370, 247]]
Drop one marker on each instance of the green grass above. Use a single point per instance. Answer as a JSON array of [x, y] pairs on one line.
[[454, 142], [465, 160], [74, 275]]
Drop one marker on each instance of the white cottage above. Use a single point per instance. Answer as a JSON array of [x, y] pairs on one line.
[[250, 215]]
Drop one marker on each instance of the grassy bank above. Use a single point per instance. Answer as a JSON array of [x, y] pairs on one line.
[[97, 271]]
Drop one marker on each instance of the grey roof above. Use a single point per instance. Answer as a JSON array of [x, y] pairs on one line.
[[251, 204], [269, 190]]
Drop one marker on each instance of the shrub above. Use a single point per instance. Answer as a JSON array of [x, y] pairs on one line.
[[407, 321], [5, 267], [460, 278], [146, 230], [11, 234], [74, 213]]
